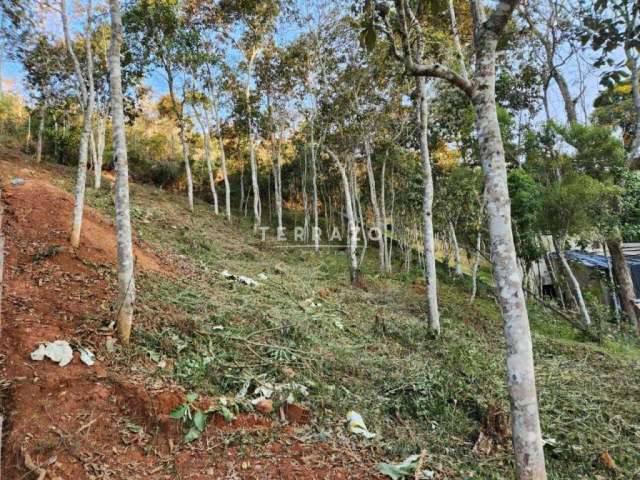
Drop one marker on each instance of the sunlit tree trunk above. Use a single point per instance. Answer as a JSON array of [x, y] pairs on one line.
[[257, 207], [87, 95], [634, 66], [126, 281], [277, 178], [206, 136], [27, 140], [433, 314], [102, 130], [40, 133], [377, 214], [351, 216], [181, 128], [223, 162], [525, 422], [314, 188], [573, 282]]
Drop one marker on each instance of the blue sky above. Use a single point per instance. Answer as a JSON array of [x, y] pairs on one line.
[[13, 73]]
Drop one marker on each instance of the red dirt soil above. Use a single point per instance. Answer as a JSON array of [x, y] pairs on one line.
[[84, 422]]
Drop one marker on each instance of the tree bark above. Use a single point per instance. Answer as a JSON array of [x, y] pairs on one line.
[[181, 128], [623, 280], [351, 216], [277, 178], [102, 130], [40, 133], [126, 281], [206, 139], [257, 207], [314, 187], [93, 150], [634, 66], [377, 214], [474, 269], [573, 282], [433, 314], [456, 250], [87, 100], [223, 164], [525, 422]]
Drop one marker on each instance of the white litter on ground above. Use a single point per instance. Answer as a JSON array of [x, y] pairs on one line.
[[59, 352]]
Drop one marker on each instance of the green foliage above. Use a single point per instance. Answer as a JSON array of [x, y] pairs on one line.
[[575, 205], [628, 206], [526, 197], [194, 419], [614, 108], [597, 152]]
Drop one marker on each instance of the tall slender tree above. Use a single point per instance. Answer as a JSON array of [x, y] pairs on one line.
[[84, 81], [403, 25], [126, 279]]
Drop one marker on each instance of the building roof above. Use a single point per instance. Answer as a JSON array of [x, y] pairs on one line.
[[595, 260]]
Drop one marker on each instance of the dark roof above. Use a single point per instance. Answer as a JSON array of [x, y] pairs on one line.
[[594, 260]]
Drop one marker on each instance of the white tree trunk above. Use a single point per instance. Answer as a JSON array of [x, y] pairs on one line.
[[527, 436], [102, 131], [277, 178], [187, 163], [257, 206], [87, 100], [206, 138], [223, 163], [377, 214], [456, 40], [93, 150], [314, 187], [255, 188], [573, 282], [40, 134], [433, 314], [634, 66], [181, 127], [126, 281], [456, 250], [383, 213], [474, 269], [351, 216]]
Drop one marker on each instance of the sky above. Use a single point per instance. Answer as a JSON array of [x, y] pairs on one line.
[[13, 73]]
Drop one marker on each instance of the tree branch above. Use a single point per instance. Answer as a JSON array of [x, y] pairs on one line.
[[500, 16]]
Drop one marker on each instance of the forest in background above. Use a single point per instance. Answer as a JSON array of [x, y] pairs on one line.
[[489, 138]]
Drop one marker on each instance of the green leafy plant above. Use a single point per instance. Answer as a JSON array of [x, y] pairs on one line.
[[192, 417]]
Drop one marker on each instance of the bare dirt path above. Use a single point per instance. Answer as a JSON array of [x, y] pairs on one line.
[[89, 422]]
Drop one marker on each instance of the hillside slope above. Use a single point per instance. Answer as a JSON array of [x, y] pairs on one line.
[[362, 349]]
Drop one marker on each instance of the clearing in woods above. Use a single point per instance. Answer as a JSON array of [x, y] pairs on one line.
[[361, 348], [107, 421]]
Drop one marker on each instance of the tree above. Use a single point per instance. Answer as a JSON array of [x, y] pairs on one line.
[[601, 156], [611, 25], [87, 98], [551, 25], [158, 35], [126, 280], [403, 24], [47, 77]]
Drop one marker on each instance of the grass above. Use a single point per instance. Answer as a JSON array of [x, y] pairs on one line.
[[367, 349]]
